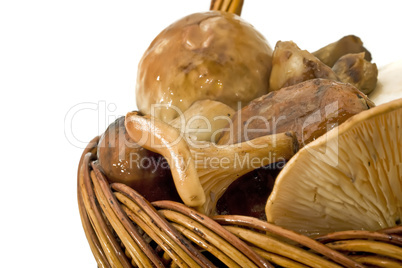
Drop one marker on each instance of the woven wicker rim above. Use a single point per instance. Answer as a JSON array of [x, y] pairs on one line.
[[125, 230]]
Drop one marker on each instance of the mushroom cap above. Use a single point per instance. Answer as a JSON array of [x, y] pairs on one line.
[[348, 179], [212, 55]]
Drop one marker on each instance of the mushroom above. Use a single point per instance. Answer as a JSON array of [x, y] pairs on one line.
[[202, 172], [389, 86], [309, 109], [291, 65], [348, 179], [346, 45], [124, 161], [248, 195], [356, 70], [212, 55], [203, 120]]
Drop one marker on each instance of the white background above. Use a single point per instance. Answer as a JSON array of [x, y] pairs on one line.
[[68, 68]]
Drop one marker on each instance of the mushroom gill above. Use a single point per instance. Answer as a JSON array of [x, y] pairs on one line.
[[348, 179]]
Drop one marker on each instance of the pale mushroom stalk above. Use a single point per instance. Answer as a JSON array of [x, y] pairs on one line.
[[202, 171], [167, 141]]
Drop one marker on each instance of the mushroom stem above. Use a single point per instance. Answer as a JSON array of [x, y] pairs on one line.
[[202, 171], [161, 138], [219, 166], [231, 6]]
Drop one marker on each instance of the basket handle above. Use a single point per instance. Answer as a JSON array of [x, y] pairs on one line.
[[231, 6]]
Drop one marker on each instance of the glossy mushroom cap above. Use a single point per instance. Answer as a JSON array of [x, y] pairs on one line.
[[211, 55]]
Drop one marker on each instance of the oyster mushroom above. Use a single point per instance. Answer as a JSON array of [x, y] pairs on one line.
[[202, 173], [348, 179], [212, 55]]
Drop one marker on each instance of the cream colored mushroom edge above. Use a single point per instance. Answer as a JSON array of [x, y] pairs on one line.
[[389, 85], [348, 179]]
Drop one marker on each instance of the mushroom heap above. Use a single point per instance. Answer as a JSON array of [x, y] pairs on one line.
[[218, 105]]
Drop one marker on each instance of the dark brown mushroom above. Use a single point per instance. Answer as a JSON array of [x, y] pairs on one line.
[[346, 45], [309, 109], [356, 70]]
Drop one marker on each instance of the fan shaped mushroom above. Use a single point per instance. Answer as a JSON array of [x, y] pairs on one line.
[[202, 172], [348, 179], [212, 55]]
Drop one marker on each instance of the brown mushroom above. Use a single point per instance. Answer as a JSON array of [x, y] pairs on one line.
[[203, 172], [122, 160], [212, 55], [248, 195], [356, 70], [346, 45], [291, 65], [348, 179], [309, 109]]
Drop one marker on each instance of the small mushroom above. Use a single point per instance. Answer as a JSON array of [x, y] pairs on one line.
[[203, 171], [346, 45], [356, 70], [291, 65], [348, 179]]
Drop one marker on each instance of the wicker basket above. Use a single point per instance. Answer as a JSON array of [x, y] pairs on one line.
[[125, 230]]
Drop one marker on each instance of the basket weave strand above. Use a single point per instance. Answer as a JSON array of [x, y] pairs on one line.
[[123, 229]]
